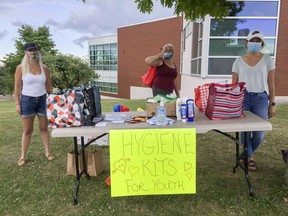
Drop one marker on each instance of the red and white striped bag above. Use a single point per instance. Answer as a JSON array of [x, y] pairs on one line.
[[225, 101], [201, 97]]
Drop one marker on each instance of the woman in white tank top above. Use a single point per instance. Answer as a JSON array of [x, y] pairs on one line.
[[32, 83]]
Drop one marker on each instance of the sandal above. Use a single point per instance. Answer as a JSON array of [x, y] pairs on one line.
[[21, 162], [50, 157], [251, 165]]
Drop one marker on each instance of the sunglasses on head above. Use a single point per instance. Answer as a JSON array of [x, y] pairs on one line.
[[255, 32]]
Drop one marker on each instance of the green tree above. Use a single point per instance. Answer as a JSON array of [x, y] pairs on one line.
[[68, 71], [10, 63], [41, 36], [26, 34], [193, 9]]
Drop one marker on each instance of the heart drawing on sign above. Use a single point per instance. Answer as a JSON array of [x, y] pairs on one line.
[[120, 165], [133, 170], [187, 166]]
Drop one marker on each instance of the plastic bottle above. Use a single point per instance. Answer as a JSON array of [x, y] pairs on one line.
[[178, 108], [190, 110], [161, 114], [184, 112]]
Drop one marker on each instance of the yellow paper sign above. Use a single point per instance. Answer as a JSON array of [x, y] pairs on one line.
[[152, 161]]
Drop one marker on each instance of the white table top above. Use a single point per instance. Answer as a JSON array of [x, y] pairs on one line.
[[202, 124]]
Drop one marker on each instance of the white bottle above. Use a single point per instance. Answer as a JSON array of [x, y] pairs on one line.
[[161, 114], [178, 108]]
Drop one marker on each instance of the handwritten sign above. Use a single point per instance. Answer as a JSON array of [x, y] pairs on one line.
[[152, 161]]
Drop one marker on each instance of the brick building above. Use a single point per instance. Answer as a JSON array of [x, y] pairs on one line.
[[204, 51]]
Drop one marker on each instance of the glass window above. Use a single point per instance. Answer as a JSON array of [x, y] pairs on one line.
[[236, 47], [196, 66], [256, 8], [242, 27], [195, 40], [220, 66]]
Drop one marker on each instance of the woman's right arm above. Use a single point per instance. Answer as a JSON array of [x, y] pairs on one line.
[[234, 77], [17, 87], [154, 60]]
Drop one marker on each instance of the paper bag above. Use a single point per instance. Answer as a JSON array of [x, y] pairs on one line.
[[94, 162], [71, 167]]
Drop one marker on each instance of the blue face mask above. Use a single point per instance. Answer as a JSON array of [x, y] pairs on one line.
[[167, 55], [254, 46]]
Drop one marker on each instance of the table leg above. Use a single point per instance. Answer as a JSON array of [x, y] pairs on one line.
[[84, 158], [245, 146], [237, 152], [78, 176], [251, 193], [84, 170]]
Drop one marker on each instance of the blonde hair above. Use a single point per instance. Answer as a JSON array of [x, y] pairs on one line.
[[25, 64], [168, 46]]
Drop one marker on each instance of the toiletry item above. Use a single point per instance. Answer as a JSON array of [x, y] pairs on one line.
[[190, 110], [161, 114], [178, 108], [183, 112]]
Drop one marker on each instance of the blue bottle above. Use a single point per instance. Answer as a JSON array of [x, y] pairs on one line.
[[190, 110], [184, 112]]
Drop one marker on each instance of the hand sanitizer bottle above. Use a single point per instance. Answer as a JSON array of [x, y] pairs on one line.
[[178, 108], [161, 114]]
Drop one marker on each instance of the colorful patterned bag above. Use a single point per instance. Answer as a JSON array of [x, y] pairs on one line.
[[225, 101], [63, 110]]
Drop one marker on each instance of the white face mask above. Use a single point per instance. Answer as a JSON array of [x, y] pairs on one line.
[[33, 55]]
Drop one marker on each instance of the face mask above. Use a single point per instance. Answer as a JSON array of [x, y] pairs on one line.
[[33, 55], [254, 46], [167, 55]]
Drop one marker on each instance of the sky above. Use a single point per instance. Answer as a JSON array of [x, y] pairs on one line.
[[71, 22]]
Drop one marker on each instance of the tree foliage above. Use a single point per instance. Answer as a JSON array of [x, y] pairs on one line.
[[192, 9], [41, 36], [68, 71], [26, 34]]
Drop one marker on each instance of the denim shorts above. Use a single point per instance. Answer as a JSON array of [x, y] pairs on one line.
[[31, 106]]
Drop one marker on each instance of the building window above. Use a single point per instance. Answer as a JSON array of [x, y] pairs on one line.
[[196, 51], [107, 87], [227, 36], [103, 57]]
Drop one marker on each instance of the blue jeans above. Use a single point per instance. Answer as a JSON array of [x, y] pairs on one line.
[[31, 106], [256, 103]]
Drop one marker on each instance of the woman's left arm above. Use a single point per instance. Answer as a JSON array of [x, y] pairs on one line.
[[176, 89], [271, 85], [48, 80]]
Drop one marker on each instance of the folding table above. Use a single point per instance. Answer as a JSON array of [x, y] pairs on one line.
[[202, 124]]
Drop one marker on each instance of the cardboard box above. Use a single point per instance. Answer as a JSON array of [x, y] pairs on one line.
[[151, 109]]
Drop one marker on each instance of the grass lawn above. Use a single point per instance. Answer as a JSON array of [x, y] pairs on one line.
[[42, 187]]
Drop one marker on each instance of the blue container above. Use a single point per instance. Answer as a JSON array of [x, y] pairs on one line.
[[190, 110]]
